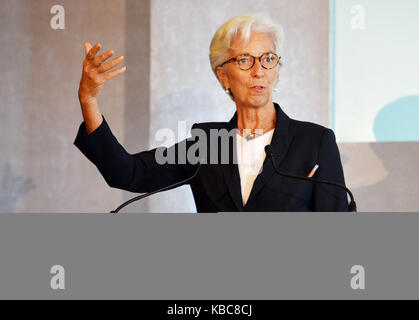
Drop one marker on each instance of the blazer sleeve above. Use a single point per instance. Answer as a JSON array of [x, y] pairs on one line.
[[325, 197], [138, 172]]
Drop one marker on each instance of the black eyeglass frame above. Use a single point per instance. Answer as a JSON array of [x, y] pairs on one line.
[[254, 60]]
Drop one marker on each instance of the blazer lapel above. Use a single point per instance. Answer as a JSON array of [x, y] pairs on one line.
[[231, 171], [281, 140]]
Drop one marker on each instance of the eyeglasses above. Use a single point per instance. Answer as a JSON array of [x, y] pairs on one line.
[[245, 61]]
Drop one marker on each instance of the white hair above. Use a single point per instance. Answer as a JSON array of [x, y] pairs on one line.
[[243, 26]]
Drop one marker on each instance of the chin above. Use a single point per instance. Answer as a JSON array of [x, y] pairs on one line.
[[258, 102]]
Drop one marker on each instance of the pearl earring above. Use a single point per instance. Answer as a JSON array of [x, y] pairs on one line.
[[276, 89], [227, 90]]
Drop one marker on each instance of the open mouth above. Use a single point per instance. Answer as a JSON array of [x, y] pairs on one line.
[[258, 88]]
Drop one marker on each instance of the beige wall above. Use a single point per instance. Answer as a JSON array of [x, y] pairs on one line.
[[168, 79]]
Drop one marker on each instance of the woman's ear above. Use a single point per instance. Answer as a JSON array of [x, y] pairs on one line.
[[223, 77]]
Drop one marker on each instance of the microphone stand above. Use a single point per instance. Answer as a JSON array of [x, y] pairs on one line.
[[145, 195]]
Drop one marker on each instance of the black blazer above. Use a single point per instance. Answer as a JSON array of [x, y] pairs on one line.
[[296, 145]]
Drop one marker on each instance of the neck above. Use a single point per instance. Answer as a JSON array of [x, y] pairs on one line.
[[257, 120]]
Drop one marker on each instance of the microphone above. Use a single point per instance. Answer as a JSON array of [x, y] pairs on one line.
[[352, 204], [145, 195]]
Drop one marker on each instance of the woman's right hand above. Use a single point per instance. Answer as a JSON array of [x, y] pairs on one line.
[[95, 71], [95, 74]]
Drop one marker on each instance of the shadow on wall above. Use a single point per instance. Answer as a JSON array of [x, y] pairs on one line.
[[398, 121], [13, 188], [384, 174]]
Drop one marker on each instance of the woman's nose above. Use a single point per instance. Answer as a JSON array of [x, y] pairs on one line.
[[257, 69]]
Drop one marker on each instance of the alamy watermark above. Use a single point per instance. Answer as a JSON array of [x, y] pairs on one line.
[[358, 280], [211, 146], [58, 279], [58, 20], [357, 18]]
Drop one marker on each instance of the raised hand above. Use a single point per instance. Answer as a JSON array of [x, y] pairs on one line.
[[95, 74], [96, 71]]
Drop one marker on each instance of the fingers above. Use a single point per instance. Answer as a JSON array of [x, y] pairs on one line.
[[101, 58], [87, 47], [109, 65], [93, 51], [109, 75], [94, 68]]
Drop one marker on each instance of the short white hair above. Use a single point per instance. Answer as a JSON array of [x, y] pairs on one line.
[[243, 26]]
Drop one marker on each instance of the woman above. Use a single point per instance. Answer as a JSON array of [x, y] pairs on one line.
[[244, 55]]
